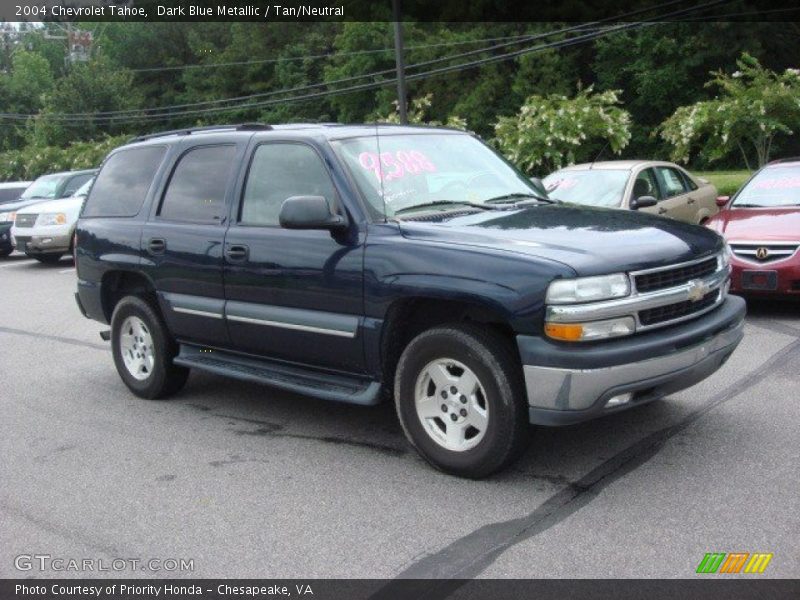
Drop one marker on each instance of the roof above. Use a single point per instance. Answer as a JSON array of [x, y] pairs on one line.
[[626, 165], [327, 130], [14, 184], [65, 173]]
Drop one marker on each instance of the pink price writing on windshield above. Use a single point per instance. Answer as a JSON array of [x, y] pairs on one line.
[[394, 165]]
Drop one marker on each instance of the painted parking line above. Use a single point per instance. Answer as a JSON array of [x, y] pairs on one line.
[[70, 270], [16, 263]]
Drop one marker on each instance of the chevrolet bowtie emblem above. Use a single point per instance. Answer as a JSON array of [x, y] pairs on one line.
[[698, 289], [762, 253]]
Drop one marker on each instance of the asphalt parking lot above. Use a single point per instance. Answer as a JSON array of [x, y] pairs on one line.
[[250, 482]]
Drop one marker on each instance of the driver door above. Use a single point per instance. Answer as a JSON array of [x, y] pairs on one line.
[[645, 184]]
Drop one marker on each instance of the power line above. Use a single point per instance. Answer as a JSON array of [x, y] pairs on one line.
[[374, 85]]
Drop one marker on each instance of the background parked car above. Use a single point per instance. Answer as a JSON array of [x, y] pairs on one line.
[[762, 225], [10, 191], [46, 187], [44, 230], [657, 187]]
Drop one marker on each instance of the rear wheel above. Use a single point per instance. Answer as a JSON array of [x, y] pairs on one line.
[[143, 350], [460, 399], [47, 259]]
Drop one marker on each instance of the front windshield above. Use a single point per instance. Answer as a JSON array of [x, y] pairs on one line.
[[418, 170], [44, 187], [772, 187], [593, 187]]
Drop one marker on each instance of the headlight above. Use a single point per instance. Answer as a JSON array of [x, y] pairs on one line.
[[594, 330], [725, 256], [588, 289], [7, 216], [46, 219]]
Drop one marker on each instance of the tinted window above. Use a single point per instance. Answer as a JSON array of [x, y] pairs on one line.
[[671, 181], [9, 194], [279, 171], [122, 184], [74, 184], [196, 191]]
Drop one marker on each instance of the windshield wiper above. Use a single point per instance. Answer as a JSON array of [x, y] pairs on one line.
[[750, 206], [517, 197], [444, 203]]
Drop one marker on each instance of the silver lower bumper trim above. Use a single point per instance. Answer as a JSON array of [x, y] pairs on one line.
[[556, 389]]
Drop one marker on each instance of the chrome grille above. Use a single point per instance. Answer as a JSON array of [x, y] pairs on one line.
[[678, 310], [25, 220], [667, 278], [764, 252]]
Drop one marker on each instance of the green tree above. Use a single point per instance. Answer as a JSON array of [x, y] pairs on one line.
[[551, 131], [418, 114], [91, 87], [753, 106]]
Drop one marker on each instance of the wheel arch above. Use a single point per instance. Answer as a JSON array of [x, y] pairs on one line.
[[119, 283]]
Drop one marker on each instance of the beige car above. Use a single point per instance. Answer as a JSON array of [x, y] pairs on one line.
[[661, 188]]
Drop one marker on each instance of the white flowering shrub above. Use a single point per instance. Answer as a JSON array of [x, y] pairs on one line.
[[549, 132], [753, 106], [417, 114]]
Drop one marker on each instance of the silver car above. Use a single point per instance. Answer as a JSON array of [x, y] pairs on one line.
[[662, 188]]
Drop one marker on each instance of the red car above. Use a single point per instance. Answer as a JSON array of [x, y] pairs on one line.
[[762, 225]]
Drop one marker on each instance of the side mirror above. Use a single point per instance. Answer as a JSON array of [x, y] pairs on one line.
[[643, 202], [309, 212], [722, 200]]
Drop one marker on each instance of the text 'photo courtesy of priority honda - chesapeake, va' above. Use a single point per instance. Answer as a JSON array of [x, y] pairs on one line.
[[392, 299]]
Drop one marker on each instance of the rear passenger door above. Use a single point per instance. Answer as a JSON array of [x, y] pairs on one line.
[[294, 295], [181, 243]]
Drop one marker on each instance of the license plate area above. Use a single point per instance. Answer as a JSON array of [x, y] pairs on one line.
[[760, 280]]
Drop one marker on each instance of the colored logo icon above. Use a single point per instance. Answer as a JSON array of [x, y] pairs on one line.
[[734, 562]]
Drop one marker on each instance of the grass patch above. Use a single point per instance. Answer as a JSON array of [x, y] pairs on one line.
[[726, 182]]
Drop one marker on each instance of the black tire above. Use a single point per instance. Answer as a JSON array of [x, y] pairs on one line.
[[46, 259], [496, 364], [165, 378]]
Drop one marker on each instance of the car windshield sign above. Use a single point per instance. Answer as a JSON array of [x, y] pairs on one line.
[[431, 171], [773, 187], [44, 187], [593, 187]]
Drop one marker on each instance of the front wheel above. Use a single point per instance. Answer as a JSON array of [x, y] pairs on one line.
[[143, 350], [460, 399]]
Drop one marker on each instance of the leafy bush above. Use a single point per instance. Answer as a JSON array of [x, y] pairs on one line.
[[32, 161], [552, 131]]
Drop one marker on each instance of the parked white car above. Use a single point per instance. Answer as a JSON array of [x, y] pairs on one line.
[[44, 230]]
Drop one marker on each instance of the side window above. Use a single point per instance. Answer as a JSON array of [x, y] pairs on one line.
[[123, 182], [645, 185], [688, 182], [277, 172], [196, 190], [74, 184], [671, 181]]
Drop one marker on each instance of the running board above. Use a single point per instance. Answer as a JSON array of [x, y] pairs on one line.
[[326, 386]]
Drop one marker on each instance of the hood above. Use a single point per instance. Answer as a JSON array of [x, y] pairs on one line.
[[65, 205], [591, 241], [758, 224], [14, 206]]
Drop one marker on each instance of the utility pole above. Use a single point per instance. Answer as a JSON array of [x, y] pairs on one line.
[[400, 63]]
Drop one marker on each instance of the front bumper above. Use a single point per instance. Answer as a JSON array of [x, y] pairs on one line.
[[6, 245], [569, 384], [43, 244], [785, 272]]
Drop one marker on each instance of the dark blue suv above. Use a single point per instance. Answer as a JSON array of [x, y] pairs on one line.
[[346, 261]]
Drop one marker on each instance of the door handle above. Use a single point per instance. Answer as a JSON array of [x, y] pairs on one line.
[[691, 201], [661, 211], [237, 253], [156, 246]]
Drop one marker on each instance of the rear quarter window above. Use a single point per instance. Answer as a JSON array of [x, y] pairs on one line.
[[123, 182]]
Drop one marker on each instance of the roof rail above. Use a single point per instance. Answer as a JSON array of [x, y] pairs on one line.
[[191, 130], [784, 160]]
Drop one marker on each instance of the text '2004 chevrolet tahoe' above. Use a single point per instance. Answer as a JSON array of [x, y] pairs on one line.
[[343, 261]]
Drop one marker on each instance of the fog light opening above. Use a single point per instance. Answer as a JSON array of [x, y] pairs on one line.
[[619, 400]]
